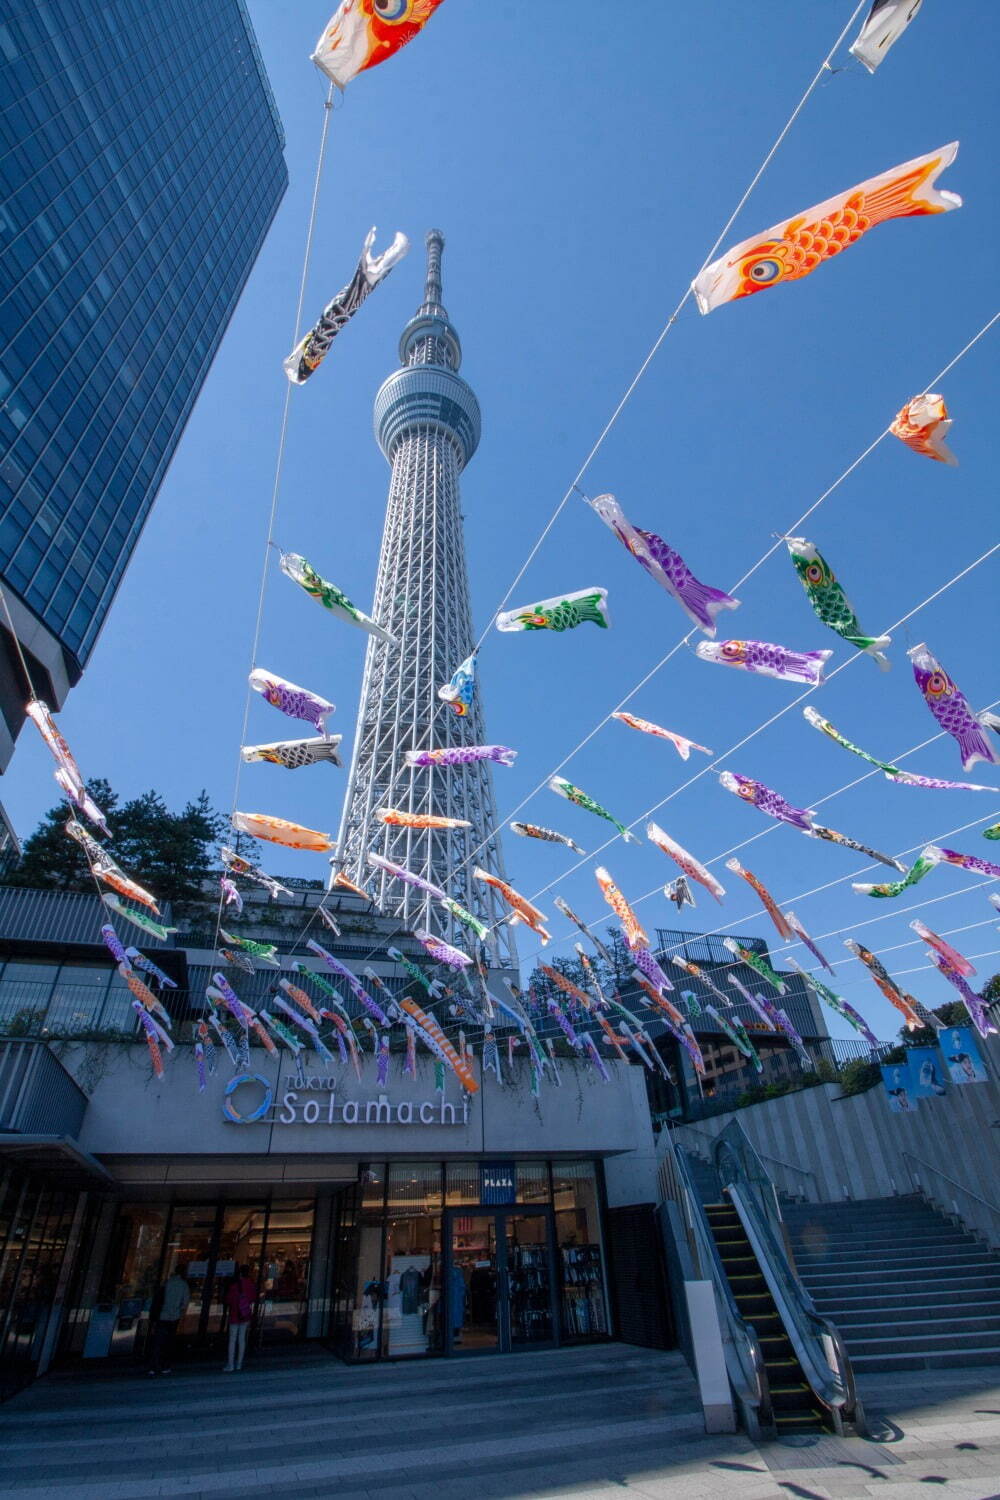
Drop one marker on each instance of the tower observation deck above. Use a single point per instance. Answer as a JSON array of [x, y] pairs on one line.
[[427, 424]]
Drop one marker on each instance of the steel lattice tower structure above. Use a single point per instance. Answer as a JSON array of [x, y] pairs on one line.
[[427, 424]]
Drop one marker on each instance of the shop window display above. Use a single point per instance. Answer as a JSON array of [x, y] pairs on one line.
[[581, 1260]]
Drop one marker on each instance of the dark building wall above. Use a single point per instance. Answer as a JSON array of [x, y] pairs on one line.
[[140, 167]]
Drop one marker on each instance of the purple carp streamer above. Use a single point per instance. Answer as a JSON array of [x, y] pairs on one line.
[[666, 567], [767, 801], [970, 862], [397, 872], [461, 755], [686, 861], [230, 894], [934, 783], [297, 702], [148, 967], [767, 660], [549, 835], [803, 937], [647, 965], [355, 986], [950, 708], [974, 1004], [310, 351], [441, 951]]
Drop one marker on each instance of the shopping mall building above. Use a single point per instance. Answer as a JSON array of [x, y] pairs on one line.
[[388, 1221]]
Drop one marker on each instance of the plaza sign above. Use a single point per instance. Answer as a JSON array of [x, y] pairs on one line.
[[250, 1100]]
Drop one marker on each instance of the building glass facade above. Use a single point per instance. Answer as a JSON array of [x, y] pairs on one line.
[[465, 1257], [140, 167]]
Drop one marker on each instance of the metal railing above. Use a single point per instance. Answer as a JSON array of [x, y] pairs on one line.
[[741, 1347], [818, 1345], [959, 1187], [57, 916]]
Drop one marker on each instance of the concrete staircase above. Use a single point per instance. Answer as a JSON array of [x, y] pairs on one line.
[[906, 1288]]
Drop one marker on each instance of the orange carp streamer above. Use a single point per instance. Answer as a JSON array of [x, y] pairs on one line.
[[793, 249], [280, 831], [635, 934], [923, 426], [419, 820], [521, 906], [363, 33]]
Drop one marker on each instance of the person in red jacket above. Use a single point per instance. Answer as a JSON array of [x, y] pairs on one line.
[[240, 1299]]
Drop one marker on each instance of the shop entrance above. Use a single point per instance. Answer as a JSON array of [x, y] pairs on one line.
[[499, 1280]]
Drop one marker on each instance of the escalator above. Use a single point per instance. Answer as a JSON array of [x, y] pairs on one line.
[[788, 1367], [794, 1406]]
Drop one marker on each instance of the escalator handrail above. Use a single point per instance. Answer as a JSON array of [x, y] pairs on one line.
[[756, 1391], [734, 1153]]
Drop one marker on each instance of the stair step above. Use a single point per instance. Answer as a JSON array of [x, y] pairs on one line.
[[893, 1326], [843, 1305], [923, 1343], [930, 1254], [804, 1244], [968, 1358], [832, 1274]]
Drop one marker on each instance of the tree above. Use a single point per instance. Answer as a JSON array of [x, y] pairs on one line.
[[991, 990], [171, 854]]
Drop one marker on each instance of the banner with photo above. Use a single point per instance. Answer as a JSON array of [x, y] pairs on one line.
[[928, 1079], [961, 1055], [896, 1078]]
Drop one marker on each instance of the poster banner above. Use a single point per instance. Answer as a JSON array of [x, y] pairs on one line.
[[961, 1055], [927, 1077], [896, 1078]]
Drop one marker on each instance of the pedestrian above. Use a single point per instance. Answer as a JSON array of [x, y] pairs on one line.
[[240, 1299], [171, 1305]]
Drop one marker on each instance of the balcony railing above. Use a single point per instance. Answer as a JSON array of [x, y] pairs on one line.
[[37, 1095], [56, 916]]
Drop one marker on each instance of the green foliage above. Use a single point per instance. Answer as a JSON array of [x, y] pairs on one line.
[[953, 1013], [171, 854], [991, 990]]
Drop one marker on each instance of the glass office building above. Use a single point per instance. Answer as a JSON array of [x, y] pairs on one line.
[[140, 167]]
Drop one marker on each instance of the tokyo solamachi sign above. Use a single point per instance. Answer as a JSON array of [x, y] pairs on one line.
[[316, 1100]]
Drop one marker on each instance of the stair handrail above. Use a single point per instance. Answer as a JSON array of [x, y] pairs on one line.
[[928, 1167], [741, 1346], [763, 1155], [817, 1342]]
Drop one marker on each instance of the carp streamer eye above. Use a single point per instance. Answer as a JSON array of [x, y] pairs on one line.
[[393, 10], [764, 271], [815, 573], [733, 650], [937, 684]]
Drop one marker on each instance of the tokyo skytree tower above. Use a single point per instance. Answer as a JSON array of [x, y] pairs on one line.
[[427, 424]]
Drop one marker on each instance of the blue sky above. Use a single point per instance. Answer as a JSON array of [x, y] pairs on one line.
[[581, 170]]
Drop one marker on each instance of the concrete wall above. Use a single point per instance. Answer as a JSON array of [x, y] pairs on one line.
[[131, 1114], [824, 1147]]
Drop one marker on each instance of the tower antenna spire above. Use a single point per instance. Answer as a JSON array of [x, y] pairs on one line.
[[434, 241]]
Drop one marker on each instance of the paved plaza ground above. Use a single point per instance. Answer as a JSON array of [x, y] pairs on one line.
[[574, 1423]]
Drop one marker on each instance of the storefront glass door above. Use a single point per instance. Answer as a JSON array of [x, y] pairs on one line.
[[499, 1280]]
